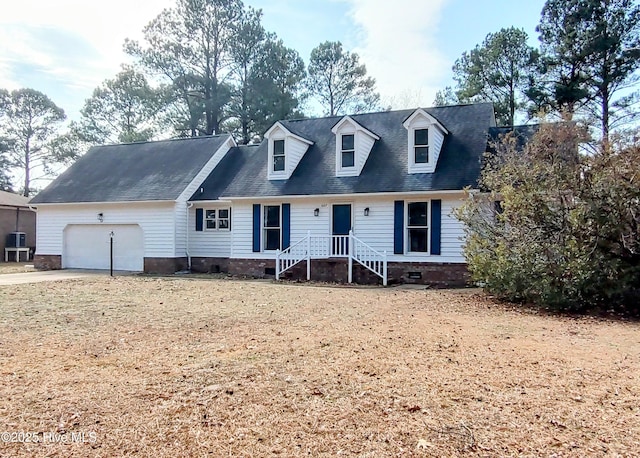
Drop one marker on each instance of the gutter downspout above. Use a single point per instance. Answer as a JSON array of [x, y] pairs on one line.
[[189, 205]]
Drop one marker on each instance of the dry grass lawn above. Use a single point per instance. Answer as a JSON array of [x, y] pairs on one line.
[[16, 267], [177, 367]]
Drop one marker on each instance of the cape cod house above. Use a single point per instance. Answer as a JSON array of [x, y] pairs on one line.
[[335, 198]]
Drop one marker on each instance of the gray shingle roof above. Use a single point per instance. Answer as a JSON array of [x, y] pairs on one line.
[[133, 172], [243, 172]]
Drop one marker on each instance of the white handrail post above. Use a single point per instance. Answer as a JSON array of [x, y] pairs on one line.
[[308, 255], [277, 264], [384, 268], [350, 249]]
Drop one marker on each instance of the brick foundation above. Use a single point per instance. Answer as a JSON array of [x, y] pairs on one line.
[[209, 265], [164, 265], [442, 275], [251, 267], [47, 261]]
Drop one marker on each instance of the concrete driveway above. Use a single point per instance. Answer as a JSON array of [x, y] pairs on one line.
[[51, 275]]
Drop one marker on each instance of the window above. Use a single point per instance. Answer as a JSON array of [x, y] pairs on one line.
[[418, 227], [278, 155], [421, 146], [271, 225], [348, 151], [219, 223], [223, 219], [210, 219]]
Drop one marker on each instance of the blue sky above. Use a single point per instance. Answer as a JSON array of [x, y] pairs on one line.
[[66, 48]]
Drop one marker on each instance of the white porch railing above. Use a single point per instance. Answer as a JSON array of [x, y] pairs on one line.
[[373, 260], [332, 246]]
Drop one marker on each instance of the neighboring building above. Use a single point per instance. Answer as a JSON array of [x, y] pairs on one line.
[[16, 216], [393, 178]]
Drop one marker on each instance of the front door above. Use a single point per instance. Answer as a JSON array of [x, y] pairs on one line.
[[340, 230]]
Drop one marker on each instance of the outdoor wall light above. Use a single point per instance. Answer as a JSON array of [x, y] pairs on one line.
[[101, 217], [366, 211], [316, 212]]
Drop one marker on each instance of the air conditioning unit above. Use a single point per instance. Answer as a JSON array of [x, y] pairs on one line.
[[16, 240]]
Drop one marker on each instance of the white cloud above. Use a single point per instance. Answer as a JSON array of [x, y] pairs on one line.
[[397, 41], [72, 45]]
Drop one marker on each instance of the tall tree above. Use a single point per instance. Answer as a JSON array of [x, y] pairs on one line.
[[122, 109], [29, 123], [245, 50], [189, 46], [5, 167], [497, 71], [594, 52], [277, 83], [445, 97], [338, 80]]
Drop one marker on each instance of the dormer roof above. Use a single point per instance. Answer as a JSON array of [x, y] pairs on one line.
[[279, 125], [349, 120], [421, 112]]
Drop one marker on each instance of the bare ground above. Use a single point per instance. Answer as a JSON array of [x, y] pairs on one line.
[[167, 368]]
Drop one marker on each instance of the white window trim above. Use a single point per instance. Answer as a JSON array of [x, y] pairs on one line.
[[407, 241], [420, 167], [427, 145], [217, 219], [272, 172], [349, 171], [264, 228]]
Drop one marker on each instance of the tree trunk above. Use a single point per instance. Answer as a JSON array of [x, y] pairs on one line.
[[27, 167], [605, 114]]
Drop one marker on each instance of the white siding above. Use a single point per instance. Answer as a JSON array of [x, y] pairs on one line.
[[180, 224], [376, 230], [181, 203], [436, 138], [363, 148], [155, 219], [294, 150], [302, 219], [209, 243], [452, 238], [242, 231]]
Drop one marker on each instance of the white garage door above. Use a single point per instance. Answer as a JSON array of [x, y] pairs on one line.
[[88, 247]]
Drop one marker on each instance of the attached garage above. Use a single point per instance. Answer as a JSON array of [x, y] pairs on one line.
[[87, 246]]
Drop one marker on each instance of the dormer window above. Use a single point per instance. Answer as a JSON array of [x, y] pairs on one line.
[[421, 146], [284, 152], [348, 151], [353, 145], [278, 156], [425, 139]]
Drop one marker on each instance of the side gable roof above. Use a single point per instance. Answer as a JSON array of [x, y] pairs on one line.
[[9, 199], [385, 170], [146, 171]]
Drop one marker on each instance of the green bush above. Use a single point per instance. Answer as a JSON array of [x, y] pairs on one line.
[[567, 233]]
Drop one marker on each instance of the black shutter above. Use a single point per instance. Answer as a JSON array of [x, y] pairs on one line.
[[199, 219], [436, 223], [398, 227], [256, 228], [286, 226]]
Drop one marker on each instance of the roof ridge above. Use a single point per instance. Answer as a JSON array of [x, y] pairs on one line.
[[175, 139]]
